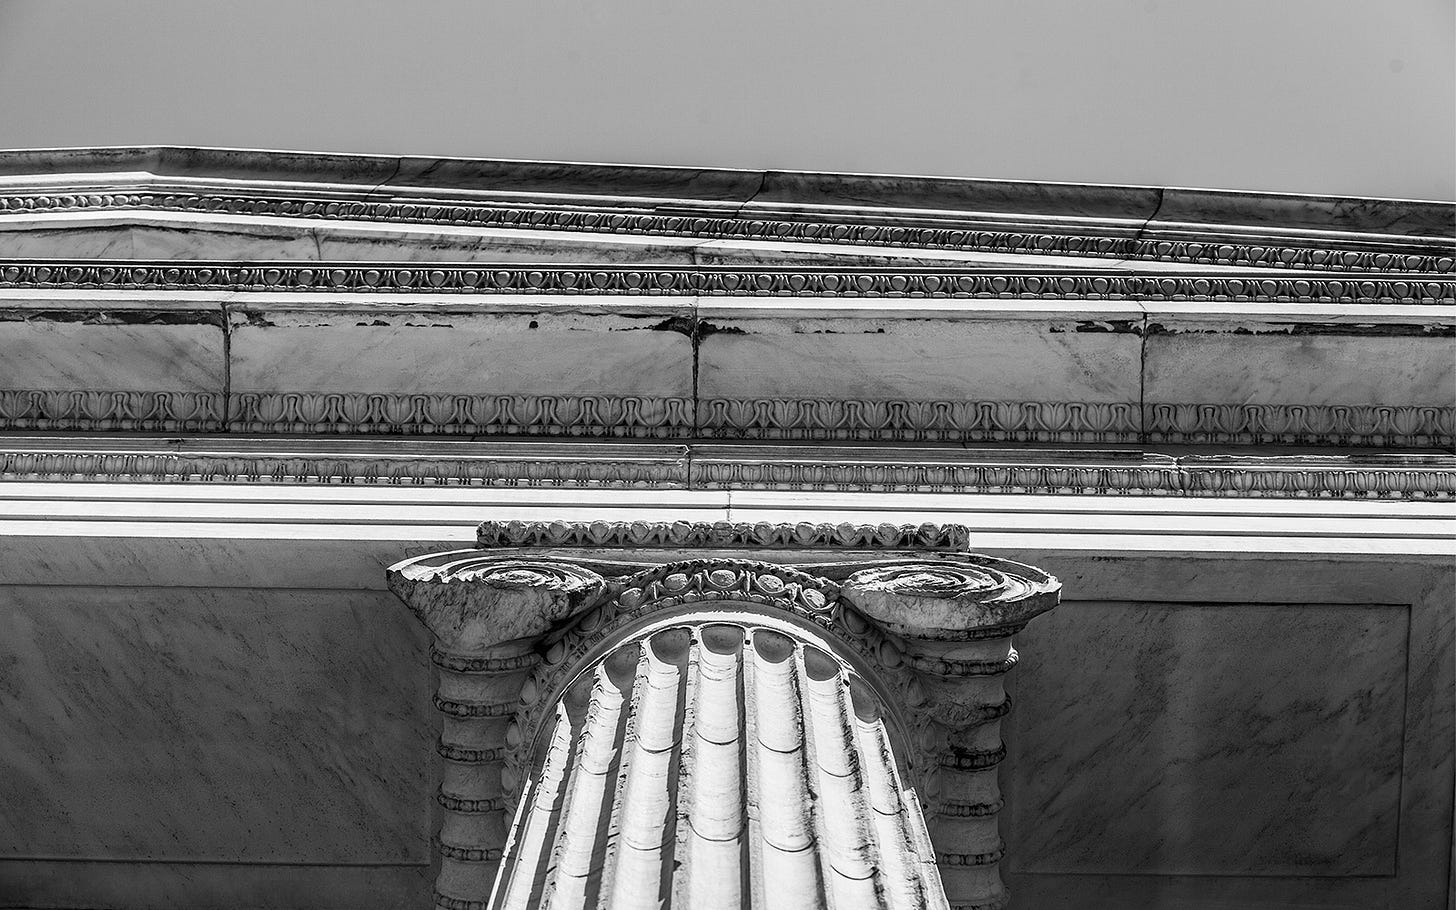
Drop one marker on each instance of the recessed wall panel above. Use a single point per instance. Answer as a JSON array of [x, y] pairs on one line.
[[195, 725], [1209, 739]]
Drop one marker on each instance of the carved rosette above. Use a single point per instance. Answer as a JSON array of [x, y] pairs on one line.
[[927, 627]]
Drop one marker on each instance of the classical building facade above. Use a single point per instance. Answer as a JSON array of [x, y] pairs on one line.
[[520, 532]]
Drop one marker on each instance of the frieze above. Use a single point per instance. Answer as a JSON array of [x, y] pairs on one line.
[[955, 234], [696, 281], [761, 419]]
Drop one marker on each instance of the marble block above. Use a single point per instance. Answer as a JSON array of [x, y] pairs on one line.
[[1209, 740], [69, 345], [213, 725], [67, 239], [1226, 365], [919, 359], [458, 349]]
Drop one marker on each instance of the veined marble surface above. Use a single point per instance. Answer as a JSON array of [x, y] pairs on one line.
[[1209, 739], [1300, 368], [181, 351], [194, 724], [527, 352], [280, 675], [945, 359]]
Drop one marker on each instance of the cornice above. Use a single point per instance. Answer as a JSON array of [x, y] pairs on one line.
[[707, 466], [749, 419], [1131, 223], [710, 281], [964, 234]]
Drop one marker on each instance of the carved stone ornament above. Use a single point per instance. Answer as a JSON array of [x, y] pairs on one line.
[[567, 649], [697, 466], [760, 419], [677, 280], [719, 534], [966, 232]]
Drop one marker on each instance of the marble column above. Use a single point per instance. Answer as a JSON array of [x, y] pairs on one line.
[[951, 626], [894, 630], [487, 620]]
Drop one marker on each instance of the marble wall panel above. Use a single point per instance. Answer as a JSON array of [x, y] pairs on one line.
[[212, 886], [1209, 739], [153, 350], [279, 673], [923, 359], [1312, 369], [214, 725], [67, 241], [456, 351], [246, 240]]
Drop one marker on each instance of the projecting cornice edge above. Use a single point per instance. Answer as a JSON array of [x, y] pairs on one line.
[[1101, 223]]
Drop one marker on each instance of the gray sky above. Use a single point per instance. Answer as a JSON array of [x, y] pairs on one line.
[[1316, 96]]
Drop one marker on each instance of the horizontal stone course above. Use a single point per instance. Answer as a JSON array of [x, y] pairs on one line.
[[710, 466]]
